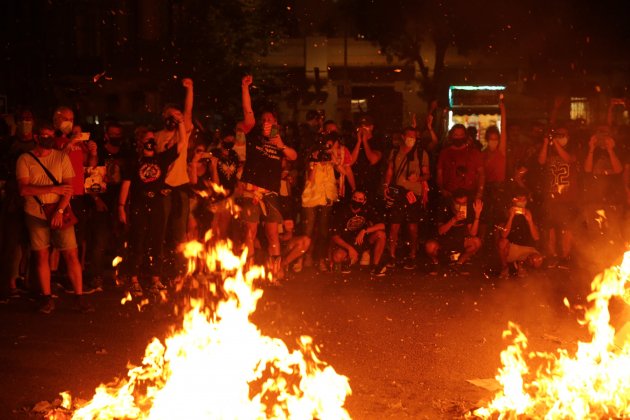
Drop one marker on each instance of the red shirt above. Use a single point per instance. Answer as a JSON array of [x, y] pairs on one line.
[[460, 168]]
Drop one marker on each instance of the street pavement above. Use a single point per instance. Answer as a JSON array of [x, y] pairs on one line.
[[408, 342]]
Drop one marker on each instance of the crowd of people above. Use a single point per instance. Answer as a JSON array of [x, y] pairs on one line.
[[329, 197]]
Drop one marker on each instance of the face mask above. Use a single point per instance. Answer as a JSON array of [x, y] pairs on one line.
[[26, 127], [562, 141], [115, 141], [493, 144], [459, 142], [227, 145], [46, 142], [66, 127], [355, 205], [170, 124], [149, 145], [410, 141]]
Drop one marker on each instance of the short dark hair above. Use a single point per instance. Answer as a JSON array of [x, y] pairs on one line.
[[457, 127]]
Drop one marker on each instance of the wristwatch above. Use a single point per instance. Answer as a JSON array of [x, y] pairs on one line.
[[60, 211]]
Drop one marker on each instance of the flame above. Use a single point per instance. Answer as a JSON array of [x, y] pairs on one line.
[[219, 365], [592, 383]]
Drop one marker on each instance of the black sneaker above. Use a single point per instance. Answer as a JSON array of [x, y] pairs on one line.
[[82, 306], [345, 268], [410, 263], [563, 264], [48, 306]]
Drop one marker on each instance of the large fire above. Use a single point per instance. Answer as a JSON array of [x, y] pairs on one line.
[[593, 383], [219, 365]]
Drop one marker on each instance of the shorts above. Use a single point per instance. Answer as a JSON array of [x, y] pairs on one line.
[[42, 236], [520, 252], [404, 212], [558, 215], [267, 209], [286, 207]]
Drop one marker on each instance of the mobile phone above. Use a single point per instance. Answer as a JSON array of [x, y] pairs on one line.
[[519, 210], [206, 155], [84, 136], [274, 131]]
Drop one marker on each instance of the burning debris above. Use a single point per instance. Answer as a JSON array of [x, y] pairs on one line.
[[592, 383], [219, 365]]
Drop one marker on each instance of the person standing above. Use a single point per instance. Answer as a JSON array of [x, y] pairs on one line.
[[177, 202], [261, 178], [45, 177]]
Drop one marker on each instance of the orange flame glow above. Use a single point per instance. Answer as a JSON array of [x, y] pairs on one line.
[[591, 384], [219, 365]]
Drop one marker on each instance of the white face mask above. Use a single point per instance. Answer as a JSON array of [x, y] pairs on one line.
[[410, 141], [493, 144], [562, 141], [26, 127], [66, 127]]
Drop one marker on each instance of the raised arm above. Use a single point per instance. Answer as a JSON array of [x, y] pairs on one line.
[[188, 104], [503, 138], [248, 114]]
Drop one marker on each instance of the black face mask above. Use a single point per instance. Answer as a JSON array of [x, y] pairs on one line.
[[458, 142], [170, 123], [46, 142], [149, 145], [115, 141], [355, 205], [227, 145]]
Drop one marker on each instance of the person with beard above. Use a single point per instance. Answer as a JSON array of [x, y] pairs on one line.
[[559, 195], [262, 175], [14, 243], [460, 166], [357, 228], [38, 189], [105, 228], [176, 203], [144, 183]]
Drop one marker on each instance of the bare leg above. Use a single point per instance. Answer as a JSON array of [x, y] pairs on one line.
[[413, 239], [271, 230], [471, 246], [73, 265], [251, 228], [377, 239], [567, 242], [43, 269], [297, 248], [394, 229]]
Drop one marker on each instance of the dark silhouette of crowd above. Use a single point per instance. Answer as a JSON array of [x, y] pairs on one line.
[[328, 196]]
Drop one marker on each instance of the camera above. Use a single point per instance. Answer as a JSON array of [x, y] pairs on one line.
[[321, 151], [172, 121]]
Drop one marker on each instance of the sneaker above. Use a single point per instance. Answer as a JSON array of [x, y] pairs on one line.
[[410, 263], [552, 262], [88, 289], [97, 283], [297, 265], [135, 289], [345, 268], [391, 263], [433, 268], [83, 307], [48, 306], [459, 269], [323, 266], [379, 270]]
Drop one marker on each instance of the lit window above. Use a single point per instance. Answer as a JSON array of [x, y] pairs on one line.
[[579, 109]]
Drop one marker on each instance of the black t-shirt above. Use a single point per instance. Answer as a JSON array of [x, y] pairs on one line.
[[263, 165], [368, 177], [227, 168], [520, 233], [460, 228], [147, 174], [114, 164], [347, 223], [602, 186]]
